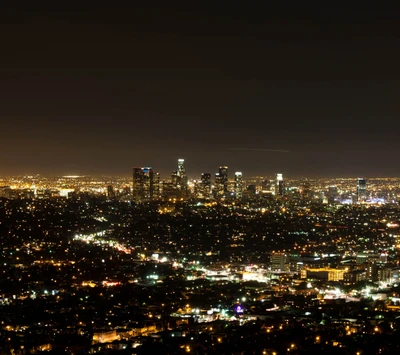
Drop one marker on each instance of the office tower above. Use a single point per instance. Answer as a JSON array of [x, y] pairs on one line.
[[278, 262], [205, 185], [223, 174], [156, 186], [273, 187], [238, 185], [218, 190], [142, 189], [280, 185], [181, 168], [361, 190], [182, 180], [168, 190], [174, 178], [197, 193]]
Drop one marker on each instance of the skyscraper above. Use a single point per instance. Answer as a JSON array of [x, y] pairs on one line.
[[205, 185], [361, 190], [182, 180], [174, 178], [238, 185], [223, 174], [221, 182], [142, 189], [218, 190], [156, 186], [280, 184], [181, 167]]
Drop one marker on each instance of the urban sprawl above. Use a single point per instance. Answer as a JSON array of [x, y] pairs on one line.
[[220, 264]]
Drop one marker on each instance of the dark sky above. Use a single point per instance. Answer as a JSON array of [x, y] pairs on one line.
[[102, 89]]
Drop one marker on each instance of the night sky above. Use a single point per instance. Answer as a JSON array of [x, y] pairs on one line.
[[303, 90]]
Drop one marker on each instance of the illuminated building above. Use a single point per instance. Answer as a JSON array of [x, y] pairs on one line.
[[182, 180], [223, 173], [278, 262], [174, 178], [255, 276], [169, 190], [280, 185], [238, 185], [221, 182], [325, 273], [142, 189], [383, 258], [366, 257], [105, 336], [179, 179], [361, 190], [205, 185], [355, 276], [181, 168], [218, 186], [156, 186]]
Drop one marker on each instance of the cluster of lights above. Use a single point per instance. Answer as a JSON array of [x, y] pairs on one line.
[[96, 239]]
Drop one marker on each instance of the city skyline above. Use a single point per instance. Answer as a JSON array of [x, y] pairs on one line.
[[305, 90], [195, 175]]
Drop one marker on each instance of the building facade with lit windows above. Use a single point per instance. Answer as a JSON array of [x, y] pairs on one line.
[[205, 185], [221, 182], [361, 190], [182, 180], [280, 185], [238, 185], [143, 184]]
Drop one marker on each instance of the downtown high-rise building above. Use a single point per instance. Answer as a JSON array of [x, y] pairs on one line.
[[174, 179], [205, 185], [181, 177], [223, 174], [361, 190], [181, 168], [238, 185], [157, 186], [221, 182], [280, 185], [218, 189], [142, 187]]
